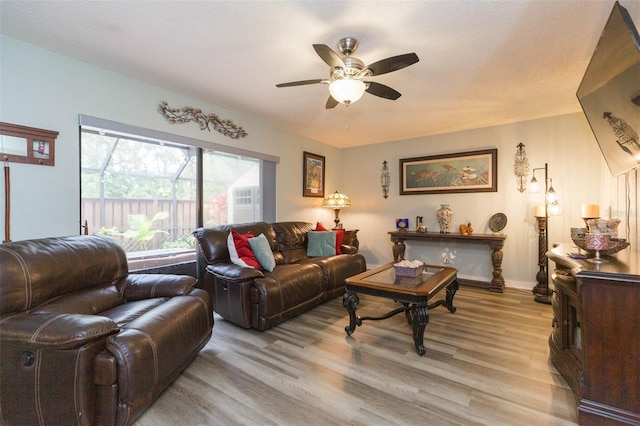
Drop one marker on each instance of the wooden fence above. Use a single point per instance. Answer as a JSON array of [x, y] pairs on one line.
[[114, 212]]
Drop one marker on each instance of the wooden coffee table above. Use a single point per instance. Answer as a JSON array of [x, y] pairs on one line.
[[415, 295]]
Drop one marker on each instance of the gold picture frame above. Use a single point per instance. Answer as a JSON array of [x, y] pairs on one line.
[[313, 171], [474, 171]]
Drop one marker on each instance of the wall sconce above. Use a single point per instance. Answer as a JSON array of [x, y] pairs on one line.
[[521, 167], [336, 201], [385, 180]]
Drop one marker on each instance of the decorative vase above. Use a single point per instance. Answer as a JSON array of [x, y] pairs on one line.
[[444, 215]]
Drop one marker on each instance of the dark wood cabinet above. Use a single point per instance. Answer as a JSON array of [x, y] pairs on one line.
[[595, 340], [565, 342]]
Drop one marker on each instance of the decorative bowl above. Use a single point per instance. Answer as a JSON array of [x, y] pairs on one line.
[[614, 245]]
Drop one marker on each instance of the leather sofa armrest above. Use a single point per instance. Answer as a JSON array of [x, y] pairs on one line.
[[146, 286], [56, 331], [232, 272], [346, 249]]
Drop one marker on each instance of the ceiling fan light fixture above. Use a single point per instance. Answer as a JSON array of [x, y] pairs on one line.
[[347, 90]]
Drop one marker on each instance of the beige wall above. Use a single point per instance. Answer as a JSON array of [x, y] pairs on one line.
[[579, 173], [46, 90]]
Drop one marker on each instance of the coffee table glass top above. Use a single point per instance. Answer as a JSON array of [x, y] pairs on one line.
[[388, 276]]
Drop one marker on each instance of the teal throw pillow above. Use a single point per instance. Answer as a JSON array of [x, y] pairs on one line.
[[262, 251], [321, 243]]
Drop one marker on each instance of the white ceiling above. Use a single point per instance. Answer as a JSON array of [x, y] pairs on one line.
[[482, 62]]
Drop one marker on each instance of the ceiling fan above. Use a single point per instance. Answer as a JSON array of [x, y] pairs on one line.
[[347, 77]]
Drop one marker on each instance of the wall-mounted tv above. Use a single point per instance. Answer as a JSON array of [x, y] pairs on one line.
[[610, 92]]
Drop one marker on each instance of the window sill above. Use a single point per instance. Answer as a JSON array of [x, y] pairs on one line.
[[143, 260]]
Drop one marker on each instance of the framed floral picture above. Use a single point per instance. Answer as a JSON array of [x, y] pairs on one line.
[[313, 175], [475, 171]]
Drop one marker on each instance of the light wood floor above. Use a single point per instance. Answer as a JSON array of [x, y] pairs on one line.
[[486, 364]]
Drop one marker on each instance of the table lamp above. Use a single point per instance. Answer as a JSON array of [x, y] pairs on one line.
[[336, 201]]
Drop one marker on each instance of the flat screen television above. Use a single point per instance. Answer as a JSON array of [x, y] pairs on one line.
[[610, 92]]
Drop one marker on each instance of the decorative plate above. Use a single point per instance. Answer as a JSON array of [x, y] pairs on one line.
[[497, 222]]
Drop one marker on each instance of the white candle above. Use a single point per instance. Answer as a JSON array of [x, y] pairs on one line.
[[539, 210], [590, 210]]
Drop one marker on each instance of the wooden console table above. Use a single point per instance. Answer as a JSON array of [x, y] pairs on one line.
[[495, 242]]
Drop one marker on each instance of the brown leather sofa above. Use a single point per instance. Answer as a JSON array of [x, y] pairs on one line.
[[84, 342], [258, 299]]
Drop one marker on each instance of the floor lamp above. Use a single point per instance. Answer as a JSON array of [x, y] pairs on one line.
[[541, 290]]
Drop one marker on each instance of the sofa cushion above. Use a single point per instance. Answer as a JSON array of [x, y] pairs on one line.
[[43, 269], [127, 312], [262, 251], [240, 250], [287, 288], [88, 301], [321, 243], [292, 240]]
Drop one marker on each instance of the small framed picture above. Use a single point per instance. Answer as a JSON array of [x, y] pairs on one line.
[[402, 224], [40, 149], [313, 175]]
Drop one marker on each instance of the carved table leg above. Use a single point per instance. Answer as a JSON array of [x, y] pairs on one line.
[[451, 292], [350, 300], [497, 282], [407, 312], [398, 250], [419, 320]]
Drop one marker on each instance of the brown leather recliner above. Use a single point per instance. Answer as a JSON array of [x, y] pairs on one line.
[[82, 341]]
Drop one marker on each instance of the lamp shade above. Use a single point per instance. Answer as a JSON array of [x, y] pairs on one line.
[[336, 201], [347, 90]]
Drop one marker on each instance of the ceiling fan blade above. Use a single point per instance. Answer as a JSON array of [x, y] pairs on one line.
[[393, 63], [382, 91], [299, 83], [331, 103], [329, 56]]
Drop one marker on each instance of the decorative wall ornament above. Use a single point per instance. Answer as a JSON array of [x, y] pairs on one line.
[[385, 180], [521, 167], [206, 121]]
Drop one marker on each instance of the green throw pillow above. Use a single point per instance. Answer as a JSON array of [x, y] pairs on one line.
[[262, 251], [321, 243]]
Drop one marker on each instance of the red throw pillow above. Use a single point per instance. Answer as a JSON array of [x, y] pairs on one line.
[[319, 227], [339, 239], [339, 236], [240, 250]]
